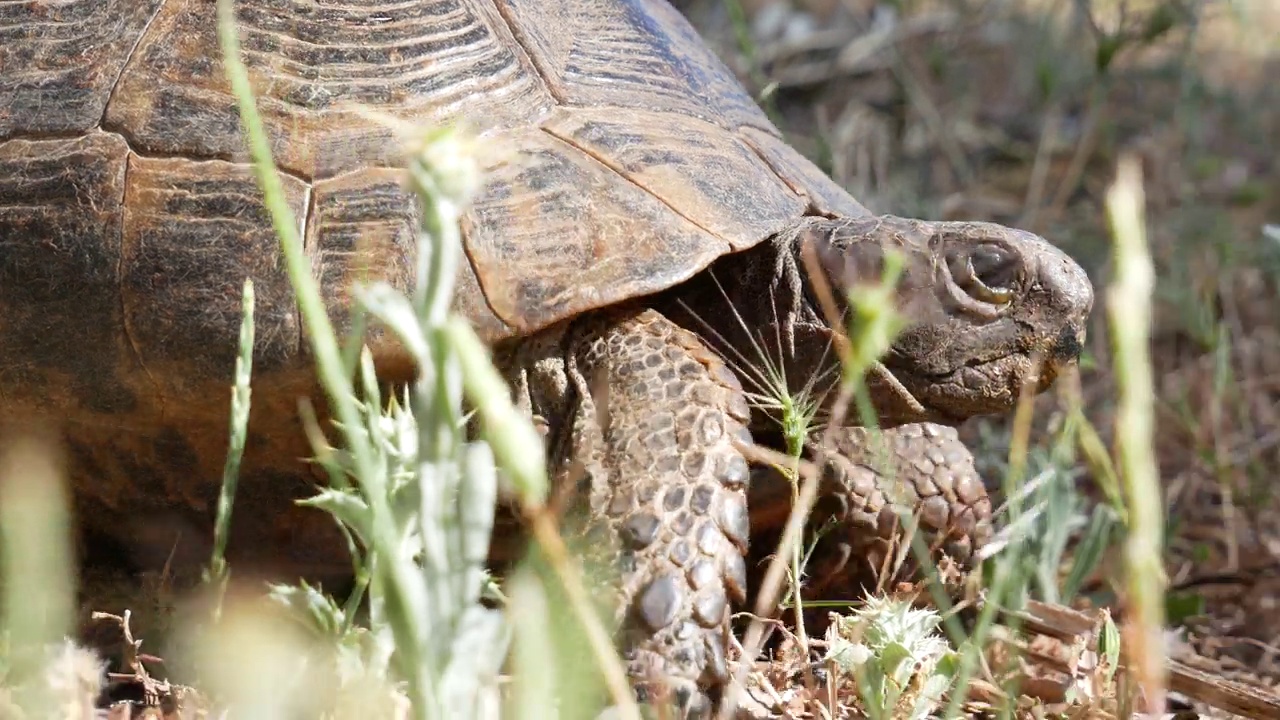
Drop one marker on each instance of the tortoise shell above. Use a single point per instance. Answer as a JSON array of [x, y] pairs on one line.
[[130, 218]]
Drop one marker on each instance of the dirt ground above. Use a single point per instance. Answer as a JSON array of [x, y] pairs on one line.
[[1017, 111]]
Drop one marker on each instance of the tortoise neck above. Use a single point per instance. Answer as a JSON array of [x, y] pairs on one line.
[[759, 301]]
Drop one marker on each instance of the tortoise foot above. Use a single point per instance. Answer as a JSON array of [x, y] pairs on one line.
[[922, 471]]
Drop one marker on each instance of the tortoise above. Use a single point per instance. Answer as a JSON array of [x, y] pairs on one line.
[[640, 170]]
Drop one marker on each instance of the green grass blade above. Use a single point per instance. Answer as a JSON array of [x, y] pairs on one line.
[[241, 395]]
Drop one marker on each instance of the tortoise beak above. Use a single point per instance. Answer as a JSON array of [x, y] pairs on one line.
[[1063, 280]]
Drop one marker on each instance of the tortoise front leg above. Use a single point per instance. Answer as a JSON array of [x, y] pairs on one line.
[[926, 470], [653, 418]]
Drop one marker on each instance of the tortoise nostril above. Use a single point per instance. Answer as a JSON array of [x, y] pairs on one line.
[[1068, 346]]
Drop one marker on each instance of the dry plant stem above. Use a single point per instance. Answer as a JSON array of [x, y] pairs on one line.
[[794, 451], [1075, 170], [615, 677], [797, 569], [769, 456], [827, 301], [933, 119], [770, 587], [1006, 577], [1129, 307], [1036, 185], [1019, 444]]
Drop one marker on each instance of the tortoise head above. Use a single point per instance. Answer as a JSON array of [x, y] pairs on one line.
[[989, 310]]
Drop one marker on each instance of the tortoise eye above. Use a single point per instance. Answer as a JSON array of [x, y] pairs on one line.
[[994, 267], [987, 272]]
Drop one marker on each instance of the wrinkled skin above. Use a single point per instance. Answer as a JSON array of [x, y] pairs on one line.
[[644, 412]]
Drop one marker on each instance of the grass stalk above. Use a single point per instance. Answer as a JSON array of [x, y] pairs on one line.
[[1129, 310], [320, 332], [218, 572]]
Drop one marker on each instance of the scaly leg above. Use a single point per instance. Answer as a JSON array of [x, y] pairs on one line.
[[643, 418], [926, 471]]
